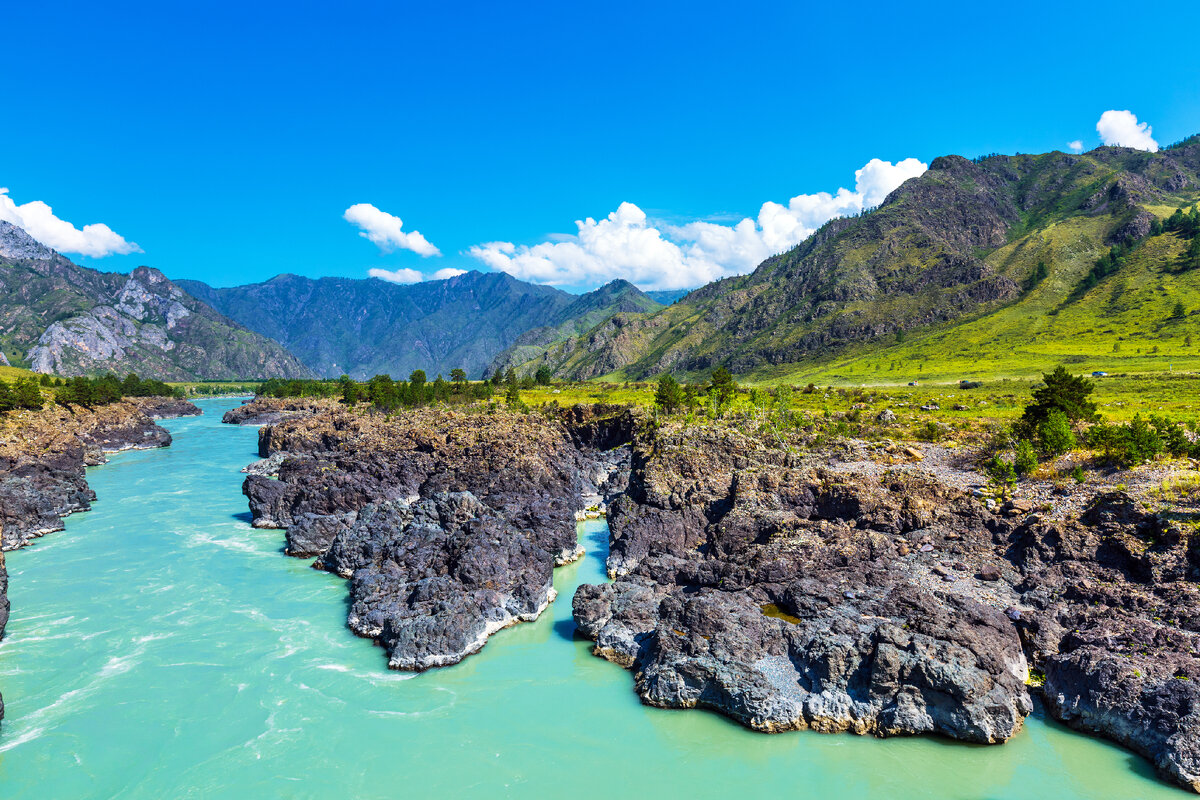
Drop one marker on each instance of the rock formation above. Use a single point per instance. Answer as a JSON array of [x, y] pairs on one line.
[[788, 594], [447, 523]]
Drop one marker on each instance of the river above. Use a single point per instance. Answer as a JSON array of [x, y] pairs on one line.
[[161, 647]]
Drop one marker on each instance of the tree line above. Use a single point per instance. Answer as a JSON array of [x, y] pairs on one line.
[[26, 393]]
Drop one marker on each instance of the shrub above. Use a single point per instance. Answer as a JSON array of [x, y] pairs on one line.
[[1026, 461], [1126, 445], [1055, 435], [1078, 475], [1174, 440], [1002, 473]]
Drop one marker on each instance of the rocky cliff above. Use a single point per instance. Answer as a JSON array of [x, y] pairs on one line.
[[43, 456], [66, 319]]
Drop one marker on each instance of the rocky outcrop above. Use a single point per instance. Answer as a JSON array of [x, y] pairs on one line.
[[776, 594], [16, 243], [43, 455], [788, 595], [268, 412], [433, 579], [448, 523], [1111, 613]]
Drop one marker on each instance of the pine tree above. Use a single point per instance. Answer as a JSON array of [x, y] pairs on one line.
[[27, 393], [669, 396], [722, 387], [1063, 391]]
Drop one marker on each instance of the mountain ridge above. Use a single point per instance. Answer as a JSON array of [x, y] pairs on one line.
[[66, 319], [959, 241], [363, 327]]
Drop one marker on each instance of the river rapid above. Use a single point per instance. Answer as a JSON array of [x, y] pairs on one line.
[[161, 647]]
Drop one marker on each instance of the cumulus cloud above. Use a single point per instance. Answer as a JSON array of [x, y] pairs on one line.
[[1122, 129], [625, 244], [1076, 146], [38, 220], [406, 275], [396, 275], [386, 230]]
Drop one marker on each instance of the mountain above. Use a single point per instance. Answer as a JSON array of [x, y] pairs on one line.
[[66, 319], [959, 245], [667, 296], [585, 313], [368, 327]]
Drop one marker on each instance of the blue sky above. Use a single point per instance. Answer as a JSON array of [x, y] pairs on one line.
[[228, 141]]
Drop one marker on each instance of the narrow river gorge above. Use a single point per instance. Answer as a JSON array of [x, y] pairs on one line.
[[161, 647]]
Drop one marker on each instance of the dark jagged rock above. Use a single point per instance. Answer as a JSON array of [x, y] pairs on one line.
[[775, 595], [1113, 617], [448, 523], [260, 413], [791, 596], [432, 580], [43, 456]]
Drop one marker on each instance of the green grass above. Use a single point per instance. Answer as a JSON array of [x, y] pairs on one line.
[[10, 374], [1001, 401]]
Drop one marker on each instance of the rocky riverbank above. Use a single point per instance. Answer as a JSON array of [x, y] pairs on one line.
[[43, 456], [784, 587], [789, 593], [447, 523]]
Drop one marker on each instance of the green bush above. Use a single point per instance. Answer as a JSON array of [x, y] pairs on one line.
[[1127, 445], [1002, 473], [1054, 434], [1026, 461]]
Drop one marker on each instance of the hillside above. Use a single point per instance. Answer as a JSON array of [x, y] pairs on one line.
[[367, 327], [585, 313], [58, 317], [946, 266]]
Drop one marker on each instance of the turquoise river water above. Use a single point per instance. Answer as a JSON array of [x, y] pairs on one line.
[[160, 647]]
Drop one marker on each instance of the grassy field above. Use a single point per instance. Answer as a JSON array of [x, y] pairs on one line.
[[1119, 398], [10, 374]]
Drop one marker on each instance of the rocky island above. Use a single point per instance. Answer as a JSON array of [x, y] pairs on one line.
[[43, 457]]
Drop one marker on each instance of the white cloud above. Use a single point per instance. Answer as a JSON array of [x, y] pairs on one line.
[[386, 230], [38, 220], [626, 245], [1122, 129], [396, 275], [406, 275], [1076, 146]]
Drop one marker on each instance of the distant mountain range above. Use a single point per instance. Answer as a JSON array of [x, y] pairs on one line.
[[991, 260], [59, 317], [366, 327], [1025, 260]]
